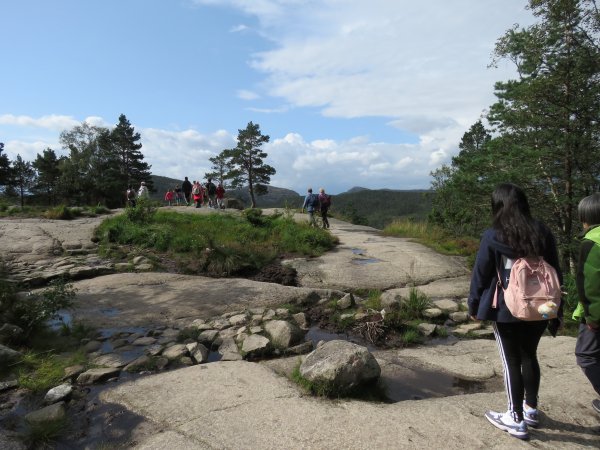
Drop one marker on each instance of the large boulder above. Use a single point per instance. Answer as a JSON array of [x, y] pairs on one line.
[[256, 345], [8, 355], [283, 334], [339, 367]]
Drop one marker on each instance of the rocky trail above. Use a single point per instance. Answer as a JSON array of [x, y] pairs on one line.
[[437, 392]]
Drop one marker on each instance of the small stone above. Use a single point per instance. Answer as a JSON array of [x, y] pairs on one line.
[[446, 305], [282, 313], [58, 393], [162, 362], [427, 329], [300, 349], [229, 350], [6, 385], [144, 341], [301, 320], [146, 267], [139, 260], [256, 330], [154, 350], [175, 351], [207, 337], [113, 360], [117, 343], [270, 314], [141, 363], [237, 320], [92, 346], [459, 317], [347, 301], [73, 372], [97, 375], [432, 313], [49, 414], [186, 361]]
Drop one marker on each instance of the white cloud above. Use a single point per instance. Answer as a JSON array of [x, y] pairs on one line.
[[247, 95], [238, 28], [51, 122]]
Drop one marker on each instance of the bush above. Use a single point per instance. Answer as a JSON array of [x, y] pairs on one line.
[[31, 312], [60, 212], [143, 212]]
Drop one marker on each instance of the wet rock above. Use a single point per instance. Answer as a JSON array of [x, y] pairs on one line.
[[97, 375], [340, 366], [117, 343], [58, 393], [207, 337], [427, 329], [229, 350], [283, 334], [175, 351], [256, 345], [73, 372], [139, 364], [92, 346], [148, 340], [301, 320], [49, 414], [113, 360], [198, 352], [300, 349]]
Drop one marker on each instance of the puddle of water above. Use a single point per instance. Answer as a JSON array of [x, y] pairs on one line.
[[364, 261], [358, 251], [400, 382], [63, 317]]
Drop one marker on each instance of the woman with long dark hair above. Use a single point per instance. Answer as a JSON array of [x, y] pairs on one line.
[[514, 234]]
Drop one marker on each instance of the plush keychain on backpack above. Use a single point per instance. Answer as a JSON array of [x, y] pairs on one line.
[[548, 310]]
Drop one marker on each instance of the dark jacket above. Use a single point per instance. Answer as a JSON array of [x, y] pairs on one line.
[[186, 186], [493, 254]]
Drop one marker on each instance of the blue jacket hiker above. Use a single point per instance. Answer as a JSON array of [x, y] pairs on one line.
[[311, 204]]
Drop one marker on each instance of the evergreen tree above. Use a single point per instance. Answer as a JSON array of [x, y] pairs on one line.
[[125, 148], [220, 168], [47, 166], [246, 162], [4, 167], [546, 129], [22, 177]]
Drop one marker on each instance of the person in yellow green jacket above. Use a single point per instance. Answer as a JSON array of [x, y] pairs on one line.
[[587, 349]]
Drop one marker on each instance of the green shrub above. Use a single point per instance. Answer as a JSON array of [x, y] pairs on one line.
[[143, 212], [413, 306], [411, 337], [61, 212], [41, 371], [31, 312], [255, 217]]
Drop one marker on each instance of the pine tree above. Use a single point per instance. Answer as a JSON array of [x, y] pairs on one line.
[[4, 167], [47, 166], [22, 177], [246, 162]]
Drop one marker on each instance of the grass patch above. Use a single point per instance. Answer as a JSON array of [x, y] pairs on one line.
[[411, 336], [43, 435], [434, 237], [413, 306], [373, 299], [42, 371], [214, 244]]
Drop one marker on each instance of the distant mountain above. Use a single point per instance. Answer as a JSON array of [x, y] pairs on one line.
[[356, 189], [274, 198]]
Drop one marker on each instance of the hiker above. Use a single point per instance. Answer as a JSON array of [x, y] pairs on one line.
[[311, 204], [514, 234], [130, 196], [198, 194], [587, 313], [143, 191], [220, 196], [179, 197], [325, 201], [211, 192], [186, 187], [169, 196]]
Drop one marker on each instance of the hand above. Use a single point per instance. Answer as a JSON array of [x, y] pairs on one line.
[[593, 328], [474, 318]]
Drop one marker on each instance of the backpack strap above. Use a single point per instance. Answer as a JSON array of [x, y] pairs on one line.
[[498, 285]]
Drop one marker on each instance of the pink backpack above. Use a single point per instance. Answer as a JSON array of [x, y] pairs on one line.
[[533, 291]]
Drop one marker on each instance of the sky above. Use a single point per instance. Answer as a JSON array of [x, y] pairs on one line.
[[372, 93]]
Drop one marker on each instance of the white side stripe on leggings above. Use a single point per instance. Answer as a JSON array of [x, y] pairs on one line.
[[504, 366]]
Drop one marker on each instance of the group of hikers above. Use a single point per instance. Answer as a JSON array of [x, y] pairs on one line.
[[519, 244], [314, 203], [188, 193], [209, 194]]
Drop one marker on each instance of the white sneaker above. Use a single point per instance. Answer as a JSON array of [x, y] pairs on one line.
[[531, 416], [507, 422]]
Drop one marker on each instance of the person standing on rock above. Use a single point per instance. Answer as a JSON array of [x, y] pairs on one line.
[[130, 195], [220, 196], [311, 205], [587, 313], [514, 234]]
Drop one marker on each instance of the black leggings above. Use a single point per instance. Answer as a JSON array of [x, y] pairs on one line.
[[517, 344]]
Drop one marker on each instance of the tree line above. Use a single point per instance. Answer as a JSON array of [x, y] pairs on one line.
[[543, 131], [101, 164]]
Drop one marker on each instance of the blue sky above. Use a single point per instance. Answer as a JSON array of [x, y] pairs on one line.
[[351, 93]]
